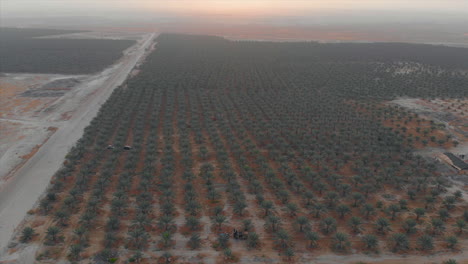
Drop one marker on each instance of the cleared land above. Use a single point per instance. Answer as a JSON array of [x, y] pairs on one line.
[[286, 142], [68, 112], [22, 51]]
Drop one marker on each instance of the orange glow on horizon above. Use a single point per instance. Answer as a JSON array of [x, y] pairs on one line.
[[276, 7]]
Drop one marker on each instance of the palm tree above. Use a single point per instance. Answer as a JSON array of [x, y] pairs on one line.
[[461, 224], [253, 240], [239, 207], [419, 212], [452, 241], [309, 195], [370, 241], [357, 197], [80, 232], [137, 257], [165, 222], [27, 234], [437, 225], [443, 214], [410, 226], [400, 242], [75, 251], [267, 206], [194, 241], [113, 223], [138, 237], [272, 222], [52, 233], [342, 209], [318, 209], [247, 224], [355, 223], [220, 219], [341, 241], [289, 252], [394, 209], [192, 222], [292, 208], [331, 197], [167, 257], [382, 225], [328, 225], [426, 242], [223, 240], [62, 217], [282, 239], [302, 221], [313, 237], [368, 209], [166, 238]]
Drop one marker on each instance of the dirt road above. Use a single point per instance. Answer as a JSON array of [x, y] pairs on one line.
[[21, 192]]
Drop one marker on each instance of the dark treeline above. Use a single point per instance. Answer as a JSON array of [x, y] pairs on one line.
[[22, 51]]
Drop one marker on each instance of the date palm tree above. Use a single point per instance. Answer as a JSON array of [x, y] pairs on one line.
[[253, 240], [194, 241], [425, 242], [27, 234], [312, 237], [341, 241], [399, 241], [370, 241], [302, 222], [355, 223], [382, 225]]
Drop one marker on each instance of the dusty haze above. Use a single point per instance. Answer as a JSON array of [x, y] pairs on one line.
[[426, 21]]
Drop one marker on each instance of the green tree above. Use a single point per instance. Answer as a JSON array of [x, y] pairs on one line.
[[419, 212], [253, 240], [341, 241], [312, 237], [355, 223], [452, 241], [400, 242], [328, 225], [194, 241], [302, 222], [370, 241], [267, 206], [382, 225], [425, 242], [461, 225], [342, 210], [52, 233], [409, 226], [27, 234]]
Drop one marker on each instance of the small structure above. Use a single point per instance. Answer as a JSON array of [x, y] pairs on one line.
[[454, 161], [239, 234], [127, 147]]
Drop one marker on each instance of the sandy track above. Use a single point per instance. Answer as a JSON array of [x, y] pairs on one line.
[[21, 192]]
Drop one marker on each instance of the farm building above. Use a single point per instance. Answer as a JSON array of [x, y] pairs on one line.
[[454, 161]]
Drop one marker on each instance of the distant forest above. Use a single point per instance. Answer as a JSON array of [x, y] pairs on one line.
[[22, 51]]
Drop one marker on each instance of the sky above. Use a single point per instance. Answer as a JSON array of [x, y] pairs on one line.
[[433, 21], [236, 8]]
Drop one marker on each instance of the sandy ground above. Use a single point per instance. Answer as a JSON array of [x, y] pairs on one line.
[[26, 102], [70, 114], [451, 113]]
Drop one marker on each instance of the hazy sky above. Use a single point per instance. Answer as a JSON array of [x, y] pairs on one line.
[[428, 21], [241, 8]]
